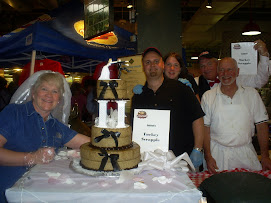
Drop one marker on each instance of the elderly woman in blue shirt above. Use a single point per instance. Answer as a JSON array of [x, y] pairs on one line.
[[29, 132]]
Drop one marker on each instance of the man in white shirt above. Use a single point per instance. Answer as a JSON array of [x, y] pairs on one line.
[[231, 113], [208, 66]]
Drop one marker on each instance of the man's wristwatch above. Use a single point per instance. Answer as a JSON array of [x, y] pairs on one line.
[[198, 149]]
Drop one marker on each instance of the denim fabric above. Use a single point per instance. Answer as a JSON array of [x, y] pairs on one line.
[[26, 131]]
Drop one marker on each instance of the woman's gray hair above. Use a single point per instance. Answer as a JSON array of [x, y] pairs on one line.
[[51, 78]]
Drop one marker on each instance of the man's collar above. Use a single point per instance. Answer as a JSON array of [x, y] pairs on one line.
[[147, 85], [211, 83], [240, 88]]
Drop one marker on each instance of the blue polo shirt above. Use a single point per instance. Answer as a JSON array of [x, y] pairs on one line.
[[26, 131]]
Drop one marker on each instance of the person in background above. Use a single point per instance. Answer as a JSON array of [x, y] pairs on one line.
[[186, 115], [208, 66], [90, 86], [30, 132], [175, 69], [79, 99], [231, 112], [4, 94], [14, 84]]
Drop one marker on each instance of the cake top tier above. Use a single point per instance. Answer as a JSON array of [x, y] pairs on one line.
[[111, 89]]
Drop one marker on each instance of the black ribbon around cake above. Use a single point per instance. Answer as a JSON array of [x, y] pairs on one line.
[[107, 134], [113, 158], [112, 84]]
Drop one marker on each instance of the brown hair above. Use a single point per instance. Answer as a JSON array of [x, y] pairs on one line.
[[184, 71]]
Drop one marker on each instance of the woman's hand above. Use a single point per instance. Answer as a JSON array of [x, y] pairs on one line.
[[43, 155]]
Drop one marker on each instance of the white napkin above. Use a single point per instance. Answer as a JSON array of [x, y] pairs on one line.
[[125, 175], [165, 161], [66, 154], [139, 185], [162, 179]]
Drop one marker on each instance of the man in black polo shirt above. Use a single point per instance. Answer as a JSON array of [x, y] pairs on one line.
[[186, 115]]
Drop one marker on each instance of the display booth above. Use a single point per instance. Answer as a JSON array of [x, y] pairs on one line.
[[58, 36]]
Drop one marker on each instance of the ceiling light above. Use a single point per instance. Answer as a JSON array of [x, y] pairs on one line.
[[251, 29], [194, 57], [209, 4], [18, 69], [130, 4]]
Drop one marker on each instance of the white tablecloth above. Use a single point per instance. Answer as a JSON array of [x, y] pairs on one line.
[[70, 186]]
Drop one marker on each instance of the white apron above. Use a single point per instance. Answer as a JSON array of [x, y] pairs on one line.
[[231, 137]]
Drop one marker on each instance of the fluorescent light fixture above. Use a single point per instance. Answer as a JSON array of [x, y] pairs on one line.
[[194, 57]]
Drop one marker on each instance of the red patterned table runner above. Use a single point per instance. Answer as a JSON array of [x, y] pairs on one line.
[[197, 178]]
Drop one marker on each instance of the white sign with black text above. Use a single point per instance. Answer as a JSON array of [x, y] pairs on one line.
[[246, 57], [151, 129]]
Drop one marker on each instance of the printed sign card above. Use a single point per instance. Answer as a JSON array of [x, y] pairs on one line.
[[151, 129], [246, 57]]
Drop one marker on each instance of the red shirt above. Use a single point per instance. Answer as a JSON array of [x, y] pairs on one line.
[[45, 64]]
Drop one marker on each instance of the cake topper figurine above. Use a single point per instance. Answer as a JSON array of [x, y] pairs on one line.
[[122, 66], [105, 74]]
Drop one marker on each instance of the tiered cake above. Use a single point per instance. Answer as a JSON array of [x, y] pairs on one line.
[[111, 148]]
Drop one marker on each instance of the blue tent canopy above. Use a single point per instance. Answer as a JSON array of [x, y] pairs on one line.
[[57, 37]]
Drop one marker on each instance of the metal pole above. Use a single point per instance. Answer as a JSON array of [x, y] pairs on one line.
[[33, 57]]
